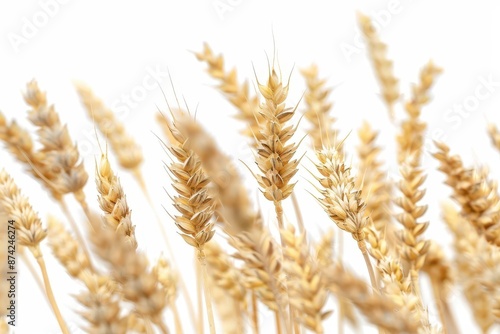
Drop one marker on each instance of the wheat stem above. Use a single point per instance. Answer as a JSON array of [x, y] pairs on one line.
[[439, 305], [34, 273], [177, 319], [48, 288], [277, 318], [255, 315], [76, 230], [298, 213], [369, 267], [199, 322], [208, 301]]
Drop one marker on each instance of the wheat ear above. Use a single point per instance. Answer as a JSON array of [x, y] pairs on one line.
[[373, 182], [306, 288], [60, 154], [29, 232], [20, 143], [168, 280], [113, 201], [274, 152], [238, 95], [477, 196], [414, 248], [381, 64], [470, 247], [318, 109], [66, 249], [379, 309], [411, 139], [102, 309], [342, 201], [234, 208]]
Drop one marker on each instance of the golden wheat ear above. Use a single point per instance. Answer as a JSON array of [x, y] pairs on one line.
[[382, 65]]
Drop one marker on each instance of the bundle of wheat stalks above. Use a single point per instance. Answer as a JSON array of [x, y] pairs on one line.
[[287, 272]]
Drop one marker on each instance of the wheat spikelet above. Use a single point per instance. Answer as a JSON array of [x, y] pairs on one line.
[[411, 139], [477, 196], [379, 309], [138, 284], [381, 64], [113, 202], [317, 111], [58, 154], [306, 289], [238, 95], [129, 154], [66, 249], [233, 206], [167, 278]]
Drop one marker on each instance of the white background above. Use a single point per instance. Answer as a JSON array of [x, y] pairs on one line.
[[113, 46]]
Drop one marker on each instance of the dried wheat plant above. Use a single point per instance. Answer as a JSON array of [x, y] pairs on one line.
[[249, 262]]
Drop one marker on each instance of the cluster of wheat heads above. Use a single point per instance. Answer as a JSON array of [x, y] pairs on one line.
[[252, 263]]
